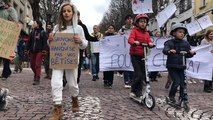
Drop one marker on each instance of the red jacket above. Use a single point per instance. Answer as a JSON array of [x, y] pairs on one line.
[[140, 35]]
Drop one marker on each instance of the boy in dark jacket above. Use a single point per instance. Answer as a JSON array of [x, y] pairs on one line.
[[174, 63], [19, 55]]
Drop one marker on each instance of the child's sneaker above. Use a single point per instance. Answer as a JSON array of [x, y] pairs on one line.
[[97, 78], [109, 86], [93, 78], [172, 100], [127, 86], [132, 94], [4, 78], [105, 83], [118, 74]]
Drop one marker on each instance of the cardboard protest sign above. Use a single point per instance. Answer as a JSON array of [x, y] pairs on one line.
[[9, 34], [63, 52]]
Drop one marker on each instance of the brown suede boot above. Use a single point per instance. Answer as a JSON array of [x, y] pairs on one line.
[[75, 104], [57, 113]]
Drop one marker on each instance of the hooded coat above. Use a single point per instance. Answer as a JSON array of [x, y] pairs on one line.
[[75, 29]]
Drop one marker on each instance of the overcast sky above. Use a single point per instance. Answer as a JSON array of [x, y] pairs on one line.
[[91, 11]]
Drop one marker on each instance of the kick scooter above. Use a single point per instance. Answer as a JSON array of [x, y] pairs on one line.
[[146, 98], [183, 102]]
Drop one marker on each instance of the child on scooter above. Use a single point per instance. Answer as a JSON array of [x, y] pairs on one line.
[[138, 36], [174, 63]]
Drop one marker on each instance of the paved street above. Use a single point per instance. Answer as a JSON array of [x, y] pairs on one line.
[[28, 102]]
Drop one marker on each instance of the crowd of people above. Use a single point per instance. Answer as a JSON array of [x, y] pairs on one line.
[[38, 50]]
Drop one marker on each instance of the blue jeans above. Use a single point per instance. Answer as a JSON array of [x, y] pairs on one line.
[[95, 63], [178, 77]]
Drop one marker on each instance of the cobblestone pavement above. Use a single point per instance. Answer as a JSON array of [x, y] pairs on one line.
[[28, 102]]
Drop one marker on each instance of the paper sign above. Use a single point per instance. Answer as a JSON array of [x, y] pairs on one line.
[[95, 47], [199, 25], [142, 6], [205, 22], [165, 14], [9, 34], [63, 52], [193, 27]]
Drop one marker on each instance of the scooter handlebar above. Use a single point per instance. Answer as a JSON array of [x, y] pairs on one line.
[[183, 52], [147, 45]]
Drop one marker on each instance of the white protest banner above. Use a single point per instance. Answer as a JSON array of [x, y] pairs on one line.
[[165, 14], [200, 66], [142, 6], [205, 22], [193, 27], [114, 53], [157, 60]]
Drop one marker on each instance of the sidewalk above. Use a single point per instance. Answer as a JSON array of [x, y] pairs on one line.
[[96, 102]]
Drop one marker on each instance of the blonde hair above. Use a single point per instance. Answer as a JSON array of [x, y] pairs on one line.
[[158, 32], [61, 22]]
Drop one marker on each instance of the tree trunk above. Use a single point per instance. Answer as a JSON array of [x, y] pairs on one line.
[[35, 8]]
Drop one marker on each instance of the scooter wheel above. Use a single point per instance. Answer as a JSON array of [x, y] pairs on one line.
[[149, 101]]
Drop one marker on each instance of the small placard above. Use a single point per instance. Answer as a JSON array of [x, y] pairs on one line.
[[63, 52]]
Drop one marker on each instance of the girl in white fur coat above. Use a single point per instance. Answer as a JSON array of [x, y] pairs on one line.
[[67, 23]]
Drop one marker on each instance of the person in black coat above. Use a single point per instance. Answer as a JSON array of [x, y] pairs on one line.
[[89, 38], [108, 76], [36, 47]]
